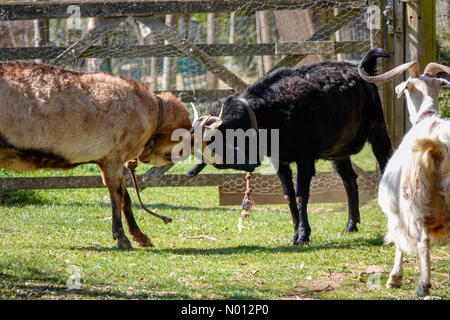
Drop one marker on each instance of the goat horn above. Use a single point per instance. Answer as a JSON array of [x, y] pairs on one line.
[[195, 112], [432, 69], [221, 112], [391, 74], [204, 121]]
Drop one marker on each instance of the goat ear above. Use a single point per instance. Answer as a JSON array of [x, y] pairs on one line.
[[444, 82], [400, 89]]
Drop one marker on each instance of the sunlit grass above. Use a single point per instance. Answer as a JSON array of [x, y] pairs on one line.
[[44, 235]]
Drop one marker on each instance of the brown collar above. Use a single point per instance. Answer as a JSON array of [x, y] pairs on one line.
[[424, 114], [251, 114]]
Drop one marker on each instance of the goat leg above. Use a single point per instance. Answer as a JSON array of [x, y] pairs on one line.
[[301, 234], [112, 175], [133, 228], [424, 285], [396, 275], [349, 176]]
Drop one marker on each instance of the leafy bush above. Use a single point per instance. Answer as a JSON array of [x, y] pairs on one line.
[[444, 103]]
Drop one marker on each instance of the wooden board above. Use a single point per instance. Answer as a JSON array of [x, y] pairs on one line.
[[325, 187], [214, 50]]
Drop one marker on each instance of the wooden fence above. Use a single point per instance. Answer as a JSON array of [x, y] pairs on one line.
[[326, 187]]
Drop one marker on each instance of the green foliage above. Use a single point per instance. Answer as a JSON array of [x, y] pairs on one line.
[[444, 103]]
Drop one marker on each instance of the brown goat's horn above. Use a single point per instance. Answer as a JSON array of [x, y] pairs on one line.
[[432, 69], [391, 74], [195, 112]]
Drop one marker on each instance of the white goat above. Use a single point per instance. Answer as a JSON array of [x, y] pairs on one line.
[[414, 191]]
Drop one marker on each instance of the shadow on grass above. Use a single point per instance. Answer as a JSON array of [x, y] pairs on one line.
[[14, 198], [242, 249], [37, 286], [345, 244], [19, 198]]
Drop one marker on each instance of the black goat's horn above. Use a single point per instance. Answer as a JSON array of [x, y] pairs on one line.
[[221, 112]]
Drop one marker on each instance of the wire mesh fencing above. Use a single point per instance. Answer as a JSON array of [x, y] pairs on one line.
[[247, 38]]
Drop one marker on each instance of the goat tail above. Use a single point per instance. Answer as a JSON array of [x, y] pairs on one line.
[[423, 170], [429, 153], [369, 62], [422, 173], [419, 184]]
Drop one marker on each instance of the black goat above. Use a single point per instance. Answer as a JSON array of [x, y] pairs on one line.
[[322, 111]]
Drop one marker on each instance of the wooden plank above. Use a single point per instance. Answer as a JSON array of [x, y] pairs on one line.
[[153, 179], [145, 180], [321, 47], [215, 50], [74, 51], [321, 34], [20, 10], [325, 187], [195, 53]]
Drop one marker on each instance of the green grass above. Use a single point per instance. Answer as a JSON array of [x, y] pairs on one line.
[[45, 234]]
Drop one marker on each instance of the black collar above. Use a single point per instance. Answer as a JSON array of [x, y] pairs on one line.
[[161, 112], [251, 114]]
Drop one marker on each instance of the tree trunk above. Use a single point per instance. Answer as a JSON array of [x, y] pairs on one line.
[[169, 68], [211, 81], [259, 59], [231, 38], [41, 34], [266, 36], [94, 64]]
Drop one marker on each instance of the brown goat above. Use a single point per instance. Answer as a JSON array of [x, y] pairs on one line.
[[52, 118]]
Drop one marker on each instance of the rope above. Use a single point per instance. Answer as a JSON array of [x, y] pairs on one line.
[[247, 202], [131, 166]]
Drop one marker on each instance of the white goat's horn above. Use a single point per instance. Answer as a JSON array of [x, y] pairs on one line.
[[432, 69], [221, 112], [391, 74], [195, 112]]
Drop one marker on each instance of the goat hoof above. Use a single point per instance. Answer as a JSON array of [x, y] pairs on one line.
[[394, 282], [299, 240], [350, 227], [392, 285], [124, 243], [143, 240], [423, 289]]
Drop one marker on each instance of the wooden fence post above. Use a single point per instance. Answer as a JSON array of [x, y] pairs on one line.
[[421, 31]]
